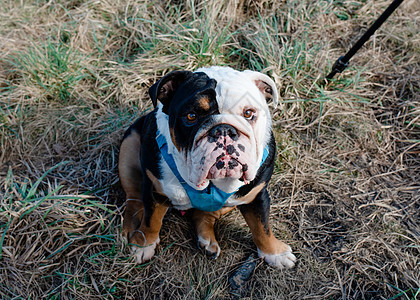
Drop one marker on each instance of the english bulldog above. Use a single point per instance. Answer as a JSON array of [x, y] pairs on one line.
[[207, 146]]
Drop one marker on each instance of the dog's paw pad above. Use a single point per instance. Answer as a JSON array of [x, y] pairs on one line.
[[144, 254], [212, 249], [281, 260]]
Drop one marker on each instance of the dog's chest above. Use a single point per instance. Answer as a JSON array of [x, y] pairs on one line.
[[177, 194], [173, 189]]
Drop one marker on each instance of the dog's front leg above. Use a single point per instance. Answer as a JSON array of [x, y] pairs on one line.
[[256, 214], [204, 226], [146, 237]]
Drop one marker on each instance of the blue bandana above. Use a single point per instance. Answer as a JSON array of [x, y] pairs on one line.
[[211, 198]]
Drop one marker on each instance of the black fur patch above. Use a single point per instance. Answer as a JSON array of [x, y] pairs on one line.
[[220, 165]]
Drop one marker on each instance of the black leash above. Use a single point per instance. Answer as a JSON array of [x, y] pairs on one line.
[[343, 61]]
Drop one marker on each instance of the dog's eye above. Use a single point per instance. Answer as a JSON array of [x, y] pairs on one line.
[[191, 117], [249, 114]]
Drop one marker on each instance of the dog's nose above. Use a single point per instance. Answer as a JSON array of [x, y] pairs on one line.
[[224, 130]]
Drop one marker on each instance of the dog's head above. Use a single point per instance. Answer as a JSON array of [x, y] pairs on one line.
[[218, 121]]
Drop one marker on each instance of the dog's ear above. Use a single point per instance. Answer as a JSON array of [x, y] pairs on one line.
[[165, 88], [265, 84]]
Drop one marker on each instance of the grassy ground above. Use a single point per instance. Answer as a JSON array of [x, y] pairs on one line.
[[345, 193]]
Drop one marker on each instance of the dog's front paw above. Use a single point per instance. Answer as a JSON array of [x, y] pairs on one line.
[[210, 247], [144, 253], [279, 260]]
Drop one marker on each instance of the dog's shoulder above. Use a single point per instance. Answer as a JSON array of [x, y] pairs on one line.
[[145, 129]]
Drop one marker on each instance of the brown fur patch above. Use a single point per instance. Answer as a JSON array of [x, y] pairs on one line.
[[129, 166], [204, 103], [131, 181], [156, 183], [147, 235], [248, 198], [263, 238], [132, 217], [204, 225], [172, 132]]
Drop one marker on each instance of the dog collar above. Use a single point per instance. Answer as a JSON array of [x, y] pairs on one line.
[[211, 198]]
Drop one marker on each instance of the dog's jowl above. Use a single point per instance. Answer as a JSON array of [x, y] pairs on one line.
[[207, 146]]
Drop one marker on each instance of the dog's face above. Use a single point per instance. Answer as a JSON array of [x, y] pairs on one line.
[[218, 121]]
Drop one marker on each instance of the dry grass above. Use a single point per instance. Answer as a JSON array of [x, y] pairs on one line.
[[74, 75]]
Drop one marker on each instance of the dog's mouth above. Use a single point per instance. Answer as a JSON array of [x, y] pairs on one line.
[[223, 156], [226, 167]]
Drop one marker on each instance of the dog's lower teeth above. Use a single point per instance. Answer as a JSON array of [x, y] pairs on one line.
[[201, 184]]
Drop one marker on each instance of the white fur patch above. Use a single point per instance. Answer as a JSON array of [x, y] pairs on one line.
[[146, 253], [281, 260]]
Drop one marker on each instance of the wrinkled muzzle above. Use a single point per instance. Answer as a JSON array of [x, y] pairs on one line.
[[223, 151]]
